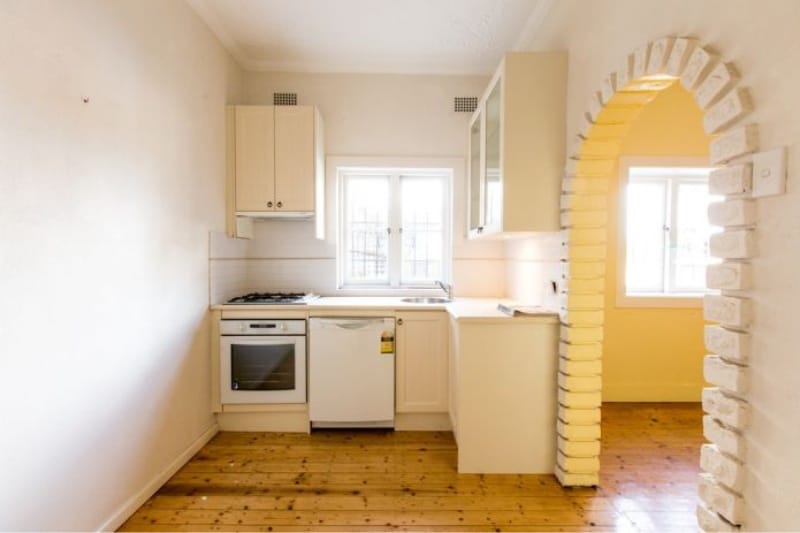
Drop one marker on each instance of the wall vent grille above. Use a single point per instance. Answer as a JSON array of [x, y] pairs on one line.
[[465, 104], [284, 98]]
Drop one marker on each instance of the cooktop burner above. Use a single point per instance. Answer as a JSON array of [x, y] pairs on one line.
[[266, 298]]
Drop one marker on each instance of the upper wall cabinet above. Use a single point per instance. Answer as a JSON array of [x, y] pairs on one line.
[[517, 146], [275, 165]]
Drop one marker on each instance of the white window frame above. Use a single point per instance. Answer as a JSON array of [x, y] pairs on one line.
[[689, 300], [338, 167]]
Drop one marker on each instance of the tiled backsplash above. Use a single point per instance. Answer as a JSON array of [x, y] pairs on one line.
[[284, 258]]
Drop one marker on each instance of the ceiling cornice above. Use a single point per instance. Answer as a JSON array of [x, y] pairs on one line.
[[533, 24], [206, 11]]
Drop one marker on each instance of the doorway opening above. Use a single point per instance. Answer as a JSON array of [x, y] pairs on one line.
[[589, 311]]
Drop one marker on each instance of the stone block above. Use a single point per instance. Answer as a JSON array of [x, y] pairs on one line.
[[719, 79], [726, 470], [728, 310], [732, 107], [726, 439], [579, 400], [733, 212], [737, 142], [729, 276], [721, 500], [727, 376], [733, 179], [732, 412], [732, 345], [732, 244]]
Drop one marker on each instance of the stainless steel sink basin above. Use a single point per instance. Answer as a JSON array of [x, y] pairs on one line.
[[426, 300]]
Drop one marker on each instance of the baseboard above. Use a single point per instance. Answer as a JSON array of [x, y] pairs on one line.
[[422, 422], [136, 501], [285, 422], [666, 392]]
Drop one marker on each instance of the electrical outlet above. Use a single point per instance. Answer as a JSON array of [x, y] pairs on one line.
[[769, 173]]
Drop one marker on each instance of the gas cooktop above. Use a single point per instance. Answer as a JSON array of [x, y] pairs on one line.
[[268, 298]]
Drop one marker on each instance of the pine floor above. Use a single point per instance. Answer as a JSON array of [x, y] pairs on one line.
[[351, 481]]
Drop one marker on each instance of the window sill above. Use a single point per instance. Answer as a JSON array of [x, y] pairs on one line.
[[660, 301], [354, 290]]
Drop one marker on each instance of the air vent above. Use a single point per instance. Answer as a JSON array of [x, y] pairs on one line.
[[284, 98], [465, 104]]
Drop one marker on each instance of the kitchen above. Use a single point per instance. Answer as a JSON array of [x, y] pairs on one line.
[[112, 184]]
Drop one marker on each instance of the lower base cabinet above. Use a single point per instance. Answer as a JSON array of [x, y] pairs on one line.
[[503, 404], [421, 362]]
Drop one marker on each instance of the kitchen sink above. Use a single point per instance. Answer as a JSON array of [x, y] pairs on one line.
[[426, 300]]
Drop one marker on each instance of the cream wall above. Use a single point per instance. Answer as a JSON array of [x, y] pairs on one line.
[[653, 354], [761, 39], [105, 209], [380, 115]]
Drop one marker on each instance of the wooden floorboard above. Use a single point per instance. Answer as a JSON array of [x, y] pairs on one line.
[[407, 481]]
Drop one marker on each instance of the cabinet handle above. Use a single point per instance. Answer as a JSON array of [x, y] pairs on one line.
[[269, 204], [280, 204], [399, 321]]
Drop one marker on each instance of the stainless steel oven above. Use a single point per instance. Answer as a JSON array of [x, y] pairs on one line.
[[263, 361]]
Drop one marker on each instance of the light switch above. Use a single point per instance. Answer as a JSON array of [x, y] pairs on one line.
[[769, 173]]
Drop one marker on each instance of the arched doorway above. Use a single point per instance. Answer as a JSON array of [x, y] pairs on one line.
[[641, 77]]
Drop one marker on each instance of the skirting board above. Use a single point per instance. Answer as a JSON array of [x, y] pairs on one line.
[[665, 392], [136, 501], [422, 422], [284, 422]]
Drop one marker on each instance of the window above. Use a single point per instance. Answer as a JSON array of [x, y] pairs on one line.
[[394, 227], [666, 231]]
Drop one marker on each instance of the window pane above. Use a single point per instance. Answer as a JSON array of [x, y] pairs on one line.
[[690, 253], [422, 250], [366, 221], [645, 236]]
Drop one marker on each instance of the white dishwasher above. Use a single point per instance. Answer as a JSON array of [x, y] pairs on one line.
[[351, 372]]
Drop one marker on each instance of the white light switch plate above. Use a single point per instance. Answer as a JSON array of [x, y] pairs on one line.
[[769, 173]]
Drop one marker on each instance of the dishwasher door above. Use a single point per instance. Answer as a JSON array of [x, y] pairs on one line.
[[351, 372]]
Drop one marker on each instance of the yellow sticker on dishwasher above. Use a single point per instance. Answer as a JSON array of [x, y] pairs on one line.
[[387, 342]]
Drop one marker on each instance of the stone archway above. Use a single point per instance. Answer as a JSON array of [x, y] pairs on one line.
[[642, 75]]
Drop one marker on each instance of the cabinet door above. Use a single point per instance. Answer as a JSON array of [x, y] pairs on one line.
[[294, 158], [493, 171], [421, 381], [475, 180], [255, 160]]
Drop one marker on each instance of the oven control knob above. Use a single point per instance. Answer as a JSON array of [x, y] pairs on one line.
[[243, 328]]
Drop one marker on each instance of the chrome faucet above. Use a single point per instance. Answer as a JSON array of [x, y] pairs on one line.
[[447, 288]]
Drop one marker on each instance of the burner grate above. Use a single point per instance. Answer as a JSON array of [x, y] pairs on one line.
[[270, 298]]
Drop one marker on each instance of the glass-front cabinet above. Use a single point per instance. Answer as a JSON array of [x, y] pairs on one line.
[[517, 147], [475, 174], [492, 170]]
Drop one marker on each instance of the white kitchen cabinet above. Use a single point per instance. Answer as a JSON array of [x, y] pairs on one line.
[[517, 147], [275, 164], [421, 371], [503, 404]]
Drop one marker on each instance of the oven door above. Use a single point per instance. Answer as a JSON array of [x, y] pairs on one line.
[[262, 369]]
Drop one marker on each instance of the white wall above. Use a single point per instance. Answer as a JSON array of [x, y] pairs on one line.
[[105, 209], [533, 265], [761, 38], [365, 115]]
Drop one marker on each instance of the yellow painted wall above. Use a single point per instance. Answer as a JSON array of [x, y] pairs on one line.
[[653, 354]]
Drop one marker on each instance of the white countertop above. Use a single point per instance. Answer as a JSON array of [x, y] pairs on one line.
[[461, 309]]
